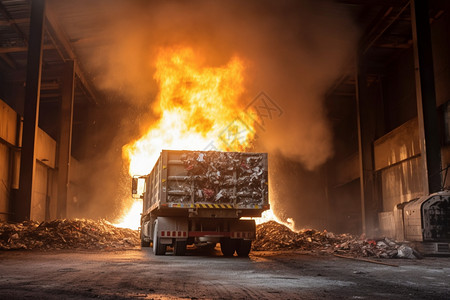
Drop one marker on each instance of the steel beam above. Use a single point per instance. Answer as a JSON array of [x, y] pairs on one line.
[[8, 60], [14, 21], [10, 19], [60, 37], [373, 2], [31, 111], [380, 33], [18, 49], [65, 137], [426, 97], [361, 148]]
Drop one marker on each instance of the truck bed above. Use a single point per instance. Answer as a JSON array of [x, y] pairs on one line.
[[208, 180]]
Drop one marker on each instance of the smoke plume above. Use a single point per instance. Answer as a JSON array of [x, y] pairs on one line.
[[293, 51]]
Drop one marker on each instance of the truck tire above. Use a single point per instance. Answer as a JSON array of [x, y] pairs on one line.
[[158, 248], [179, 248], [243, 248], [228, 246], [144, 243]]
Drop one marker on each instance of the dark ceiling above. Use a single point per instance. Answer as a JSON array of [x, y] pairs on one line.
[[385, 27]]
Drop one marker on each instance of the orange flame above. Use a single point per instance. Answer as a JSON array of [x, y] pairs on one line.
[[199, 107], [132, 217]]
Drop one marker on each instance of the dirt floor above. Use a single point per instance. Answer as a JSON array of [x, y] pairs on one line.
[[138, 274]]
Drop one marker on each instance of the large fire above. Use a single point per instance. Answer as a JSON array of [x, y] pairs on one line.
[[196, 105], [200, 108]]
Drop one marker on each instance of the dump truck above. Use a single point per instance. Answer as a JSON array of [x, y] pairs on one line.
[[203, 198]]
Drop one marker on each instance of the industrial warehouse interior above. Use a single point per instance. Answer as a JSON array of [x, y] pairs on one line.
[[260, 149]]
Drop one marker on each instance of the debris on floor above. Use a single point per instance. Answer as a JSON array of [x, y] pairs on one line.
[[273, 236], [66, 234], [270, 236]]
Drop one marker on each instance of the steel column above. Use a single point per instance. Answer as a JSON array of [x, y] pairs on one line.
[[31, 110], [366, 108], [426, 97], [361, 147], [65, 137]]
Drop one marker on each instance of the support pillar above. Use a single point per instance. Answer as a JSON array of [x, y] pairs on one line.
[[426, 97], [65, 137], [366, 107], [31, 111]]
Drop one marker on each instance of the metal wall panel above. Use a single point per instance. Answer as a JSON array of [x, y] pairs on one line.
[[398, 145], [39, 198], [400, 183], [45, 149], [4, 182], [8, 123]]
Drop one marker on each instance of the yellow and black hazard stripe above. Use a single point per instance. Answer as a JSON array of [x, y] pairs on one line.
[[200, 205]]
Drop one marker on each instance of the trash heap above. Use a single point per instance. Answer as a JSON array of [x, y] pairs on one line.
[[221, 177], [273, 236], [66, 234]]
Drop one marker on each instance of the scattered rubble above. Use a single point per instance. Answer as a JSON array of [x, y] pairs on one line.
[[272, 236], [66, 234]]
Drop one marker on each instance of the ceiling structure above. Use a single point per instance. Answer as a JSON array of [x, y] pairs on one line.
[[385, 30]]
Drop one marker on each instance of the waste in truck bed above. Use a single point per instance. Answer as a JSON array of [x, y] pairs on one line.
[[209, 177]]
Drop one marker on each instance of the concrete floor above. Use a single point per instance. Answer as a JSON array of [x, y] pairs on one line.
[[138, 274]]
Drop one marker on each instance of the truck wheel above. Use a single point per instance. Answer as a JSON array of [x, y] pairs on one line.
[[158, 248], [243, 248], [228, 246], [179, 248], [144, 243]]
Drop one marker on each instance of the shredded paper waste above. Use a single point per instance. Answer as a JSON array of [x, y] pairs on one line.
[[273, 236], [221, 177], [270, 236], [66, 234]]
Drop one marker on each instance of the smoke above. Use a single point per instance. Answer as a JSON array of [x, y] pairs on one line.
[[293, 51]]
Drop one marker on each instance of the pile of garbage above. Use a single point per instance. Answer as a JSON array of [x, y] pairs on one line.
[[65, 234], [221, 177], [273, 236]]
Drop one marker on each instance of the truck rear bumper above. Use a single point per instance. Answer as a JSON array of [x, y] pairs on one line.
[[233, 235]]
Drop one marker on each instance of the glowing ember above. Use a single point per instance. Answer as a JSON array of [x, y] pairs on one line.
[[268, 215], [199, 109], [132, 217]]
